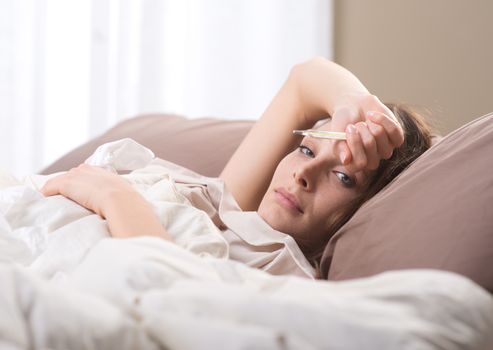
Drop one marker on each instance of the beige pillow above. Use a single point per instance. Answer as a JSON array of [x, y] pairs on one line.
[[203, 145], [437, 214]]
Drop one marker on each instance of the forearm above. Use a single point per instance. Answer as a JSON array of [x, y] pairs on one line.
[[323, 86], [129, 214], [248, 172]]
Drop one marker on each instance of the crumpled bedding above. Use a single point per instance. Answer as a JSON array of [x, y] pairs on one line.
[[147, 293], [66, 285], [197, 211]]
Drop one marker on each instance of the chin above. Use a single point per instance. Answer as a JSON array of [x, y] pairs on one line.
[[277, 220], [271, 217]]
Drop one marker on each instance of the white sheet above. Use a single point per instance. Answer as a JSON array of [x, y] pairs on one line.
[[66, 285]]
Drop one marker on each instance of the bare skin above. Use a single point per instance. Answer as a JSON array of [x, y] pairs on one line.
[[313, 91]]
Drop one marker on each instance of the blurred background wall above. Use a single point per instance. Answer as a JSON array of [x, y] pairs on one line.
[[70, 69], [434, 54]]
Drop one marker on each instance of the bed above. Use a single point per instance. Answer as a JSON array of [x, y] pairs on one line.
[[411, 270]]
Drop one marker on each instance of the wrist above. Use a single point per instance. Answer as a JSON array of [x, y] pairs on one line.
[[118, 199], [128, 214], [323, 86]]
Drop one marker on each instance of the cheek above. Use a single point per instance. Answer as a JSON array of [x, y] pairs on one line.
[[283, 171], [330, 203]]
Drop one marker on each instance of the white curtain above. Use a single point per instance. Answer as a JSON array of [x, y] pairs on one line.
[[70, 69]]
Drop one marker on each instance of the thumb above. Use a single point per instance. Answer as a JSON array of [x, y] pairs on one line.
[[48, 190], [51, 187]]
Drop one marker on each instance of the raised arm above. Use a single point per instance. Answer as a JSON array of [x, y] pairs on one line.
[[314, 90]]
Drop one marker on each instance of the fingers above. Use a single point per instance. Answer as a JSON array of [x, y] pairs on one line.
[[56, 184], [391, 127], [356, 147], [341, 118], [384, 147], [51, 187], [344, 152], [369, 146], [374, 134]]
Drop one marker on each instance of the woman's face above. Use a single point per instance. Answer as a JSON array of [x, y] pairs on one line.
[[308, 186]]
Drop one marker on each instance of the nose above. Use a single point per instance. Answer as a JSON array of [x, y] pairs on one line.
[[306, 174]]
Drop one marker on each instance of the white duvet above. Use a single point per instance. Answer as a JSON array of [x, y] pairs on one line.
[[66, 285]]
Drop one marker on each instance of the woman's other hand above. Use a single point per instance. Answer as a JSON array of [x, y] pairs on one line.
[[127, 213], [91, 187]]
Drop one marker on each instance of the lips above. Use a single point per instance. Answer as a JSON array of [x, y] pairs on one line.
[[288, 200]]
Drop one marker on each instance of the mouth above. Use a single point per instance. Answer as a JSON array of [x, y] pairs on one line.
[[288, 200]]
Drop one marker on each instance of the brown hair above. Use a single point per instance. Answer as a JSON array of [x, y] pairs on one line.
[[417, 139]]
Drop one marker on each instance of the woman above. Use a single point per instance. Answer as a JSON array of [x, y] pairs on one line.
[[307, 191]]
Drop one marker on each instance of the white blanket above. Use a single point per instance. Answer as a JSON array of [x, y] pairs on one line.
[[147, 293], [66, 285]]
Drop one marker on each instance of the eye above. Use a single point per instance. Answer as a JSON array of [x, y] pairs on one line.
[[306, 151], [345, 179]]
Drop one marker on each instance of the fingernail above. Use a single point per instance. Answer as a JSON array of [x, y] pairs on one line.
[[351, 129]]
